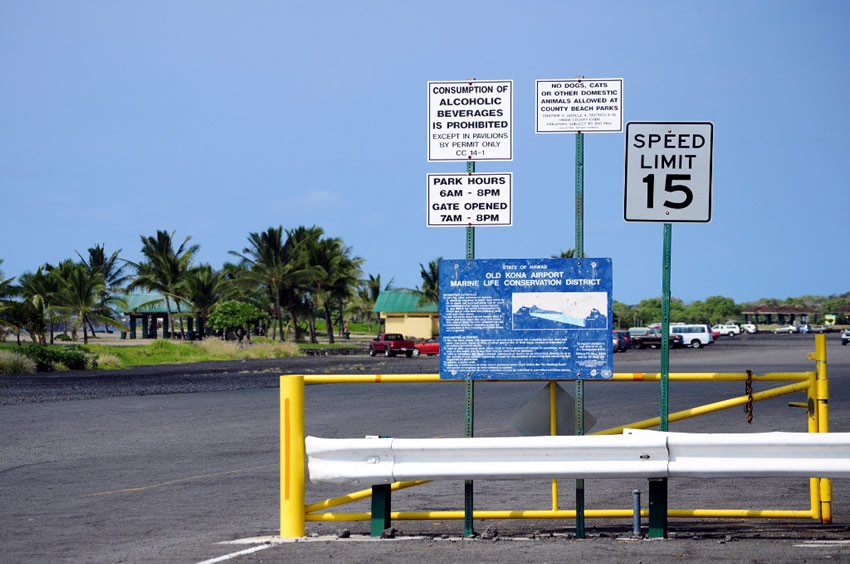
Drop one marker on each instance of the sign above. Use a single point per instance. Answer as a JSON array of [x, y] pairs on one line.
[[584, 105], [668, 171], [470, 120], [470, 199], [526, 319]]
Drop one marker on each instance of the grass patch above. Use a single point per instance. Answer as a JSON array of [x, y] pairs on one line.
[[168, 352], [12, 362], [108, 361]]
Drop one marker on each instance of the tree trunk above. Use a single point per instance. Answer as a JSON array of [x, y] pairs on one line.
[[91, 327], [298, 333], [311, 324], [311, 327], [182, 332], [329, 323], [85, 335], [170, 319], [278, 322]]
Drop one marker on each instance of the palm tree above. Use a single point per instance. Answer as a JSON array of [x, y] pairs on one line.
[[297, 295], [164, 270], [369, 291], [337, 275], [7, 289], [569, 253], [6, 286], [110, 269], [58, 274], [81, 297], [275, 265], [430, 289], [17, 317], [43, 289], [204, 287]]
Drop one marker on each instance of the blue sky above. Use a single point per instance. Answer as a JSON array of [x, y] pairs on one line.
[[216, 119]]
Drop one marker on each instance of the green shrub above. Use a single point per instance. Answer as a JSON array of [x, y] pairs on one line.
[[61, 337], [15, 363], [234, 317], [73, 357]]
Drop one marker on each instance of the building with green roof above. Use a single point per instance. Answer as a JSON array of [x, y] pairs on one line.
[[151, 311], [403, 313]]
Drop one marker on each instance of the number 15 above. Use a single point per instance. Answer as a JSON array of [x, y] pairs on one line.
[[669, 187]]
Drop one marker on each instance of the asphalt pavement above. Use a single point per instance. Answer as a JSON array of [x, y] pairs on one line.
[[180, 463]]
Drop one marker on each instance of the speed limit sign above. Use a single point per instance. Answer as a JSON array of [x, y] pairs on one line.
[[668, 171]]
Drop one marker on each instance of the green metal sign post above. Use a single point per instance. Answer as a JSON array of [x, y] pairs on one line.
[[658, 487], [468, 507], [579, 253]]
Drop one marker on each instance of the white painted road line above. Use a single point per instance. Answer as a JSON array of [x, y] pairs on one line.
[[236, 554], [823, 544]]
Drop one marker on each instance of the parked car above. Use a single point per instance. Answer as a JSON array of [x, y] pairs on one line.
[[694, 336], [749, 328], [618, 341], [819, 328], [845, 336], [429, 347], [391, 344], [653, 339], [728, 329], [786, 329]]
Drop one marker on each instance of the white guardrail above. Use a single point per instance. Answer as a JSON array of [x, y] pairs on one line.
[[635, 453]]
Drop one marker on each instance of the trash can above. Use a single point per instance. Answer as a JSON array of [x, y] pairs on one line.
[[190, 335], [123, 334]]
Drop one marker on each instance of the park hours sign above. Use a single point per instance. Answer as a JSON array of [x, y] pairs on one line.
[[668, 171], [470, 199], [470, 120]]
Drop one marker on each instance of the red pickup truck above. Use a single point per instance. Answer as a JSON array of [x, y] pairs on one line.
[[391, 344]]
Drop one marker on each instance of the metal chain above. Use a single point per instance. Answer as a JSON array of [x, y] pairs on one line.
[[748, 390]]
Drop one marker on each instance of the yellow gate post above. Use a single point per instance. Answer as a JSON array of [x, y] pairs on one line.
[[292, 457], [819, 357]]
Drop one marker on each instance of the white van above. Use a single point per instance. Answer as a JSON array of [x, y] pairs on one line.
[[695, 336]]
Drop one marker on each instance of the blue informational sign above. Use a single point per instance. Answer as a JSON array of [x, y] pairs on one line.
[[526, 319]]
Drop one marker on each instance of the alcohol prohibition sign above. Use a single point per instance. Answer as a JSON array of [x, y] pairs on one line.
[[668, 172]]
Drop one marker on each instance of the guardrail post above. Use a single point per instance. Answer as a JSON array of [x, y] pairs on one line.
[[823, 421], [292, 457], [658, 508], [381, 509]]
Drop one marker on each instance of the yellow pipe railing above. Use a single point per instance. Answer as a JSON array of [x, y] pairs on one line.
[[456, 515], [294, 513], [313, 379], [358, 495], [709, 408]]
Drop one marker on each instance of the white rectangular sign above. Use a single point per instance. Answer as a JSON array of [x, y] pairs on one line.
[[470, 120], [668, 171], [470, 199], [584, 105]]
